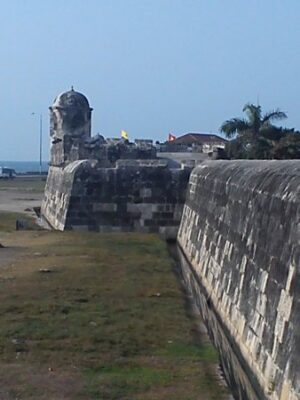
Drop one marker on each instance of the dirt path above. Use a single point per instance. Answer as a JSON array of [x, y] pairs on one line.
[[18, 200], [18, 196], [8, 255]]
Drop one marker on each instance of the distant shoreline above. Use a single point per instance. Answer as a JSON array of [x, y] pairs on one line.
[[23, 167]]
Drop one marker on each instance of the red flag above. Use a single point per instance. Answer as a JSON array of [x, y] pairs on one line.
[[171, 137]]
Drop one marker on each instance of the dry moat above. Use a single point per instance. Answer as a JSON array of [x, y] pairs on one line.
[[96, 316]]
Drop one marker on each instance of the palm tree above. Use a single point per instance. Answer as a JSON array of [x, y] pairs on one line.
[[255, 135]]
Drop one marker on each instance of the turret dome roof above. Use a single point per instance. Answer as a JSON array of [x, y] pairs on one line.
[[71, 99]]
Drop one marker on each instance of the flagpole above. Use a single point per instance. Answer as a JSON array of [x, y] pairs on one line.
[[41, 142]]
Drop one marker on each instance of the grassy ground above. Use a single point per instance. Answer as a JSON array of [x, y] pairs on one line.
[[30, 184], [8, 222], [90, 316]]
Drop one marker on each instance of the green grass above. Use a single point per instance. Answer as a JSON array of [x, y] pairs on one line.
[[191, 352], [115, 382], [8, 221], [32, 185], [108, 322]]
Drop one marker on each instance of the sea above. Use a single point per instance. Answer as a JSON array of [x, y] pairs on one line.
[[23, 167]]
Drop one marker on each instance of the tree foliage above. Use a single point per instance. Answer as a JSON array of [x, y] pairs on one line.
[[256, 137]]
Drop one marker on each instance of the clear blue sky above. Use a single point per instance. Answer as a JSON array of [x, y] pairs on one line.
[[147, 66]]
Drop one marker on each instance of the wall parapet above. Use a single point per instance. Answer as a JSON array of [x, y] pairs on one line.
[[135, 195], [240, 232]]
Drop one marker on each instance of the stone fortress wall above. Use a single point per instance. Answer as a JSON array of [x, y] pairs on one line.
[[240, 233], [239, 236], [143, 196], [100, 185]]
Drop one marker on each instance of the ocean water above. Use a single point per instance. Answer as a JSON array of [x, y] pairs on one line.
[[25, 166]]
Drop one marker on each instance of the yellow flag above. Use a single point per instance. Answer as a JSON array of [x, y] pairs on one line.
[[124, 135]]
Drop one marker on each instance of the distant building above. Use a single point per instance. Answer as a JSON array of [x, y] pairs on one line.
[[197, 142]]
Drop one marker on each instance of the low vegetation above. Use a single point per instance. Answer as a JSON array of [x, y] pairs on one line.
[[90, 316], [28, 184], [8, 221]]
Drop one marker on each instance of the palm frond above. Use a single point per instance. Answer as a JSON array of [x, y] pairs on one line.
[[253, 113], [234, 126], [274, 115]]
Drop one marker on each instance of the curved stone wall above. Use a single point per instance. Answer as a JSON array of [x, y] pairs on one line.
[[136, 195], [240, 232]]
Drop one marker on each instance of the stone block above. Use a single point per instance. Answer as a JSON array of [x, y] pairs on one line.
[[145, 192], [104, 207], [261, 304], [285, 305]]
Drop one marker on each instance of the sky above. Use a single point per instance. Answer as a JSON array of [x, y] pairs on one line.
[[149, 67]]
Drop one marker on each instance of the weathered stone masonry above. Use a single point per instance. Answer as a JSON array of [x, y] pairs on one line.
[[143, 196], [240, 232], [93, 185]]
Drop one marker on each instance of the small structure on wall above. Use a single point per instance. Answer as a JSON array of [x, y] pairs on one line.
[[105, 185]]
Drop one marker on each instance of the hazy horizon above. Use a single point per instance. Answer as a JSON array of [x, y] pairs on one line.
[[149, 68]]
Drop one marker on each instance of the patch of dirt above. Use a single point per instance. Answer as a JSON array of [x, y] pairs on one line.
[[18, 200], [43, 383], [9, 255]]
